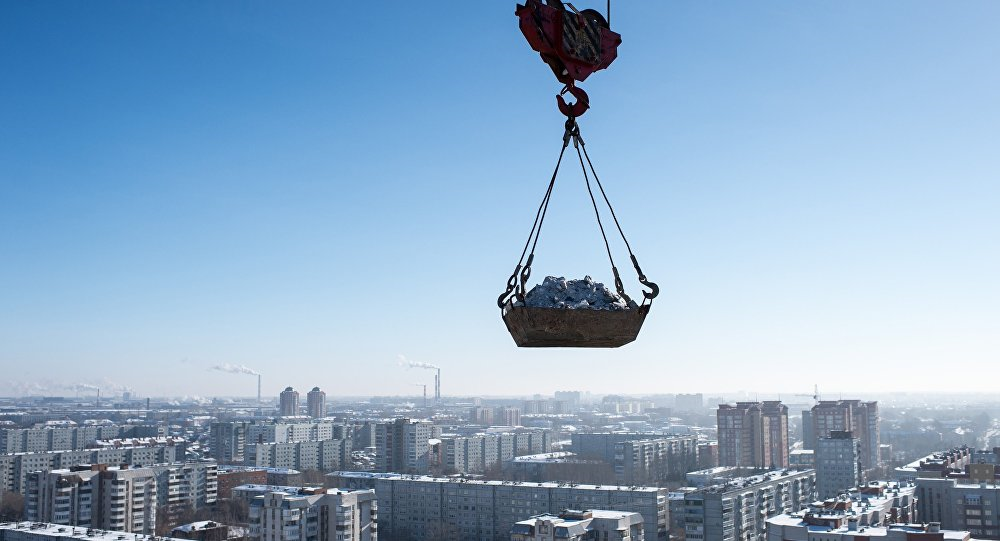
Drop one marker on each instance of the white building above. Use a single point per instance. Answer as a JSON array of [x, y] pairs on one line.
[[54, 438], [325, 455], [314, 515], [580, 526], [483, 452]]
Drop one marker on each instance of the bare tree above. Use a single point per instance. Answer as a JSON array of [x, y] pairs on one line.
[[313, 477], [11, 507]]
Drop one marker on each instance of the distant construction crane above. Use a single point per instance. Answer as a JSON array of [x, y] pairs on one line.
[[815, 394]]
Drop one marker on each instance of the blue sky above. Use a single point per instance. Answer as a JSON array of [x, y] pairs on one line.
[[313, 188]]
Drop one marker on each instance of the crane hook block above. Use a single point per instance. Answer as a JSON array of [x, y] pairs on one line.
[[576, 109], [573, 43]]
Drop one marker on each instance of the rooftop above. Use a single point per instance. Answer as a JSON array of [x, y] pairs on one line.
[[430, 479], [44, 529], [233, 468], [795, 519], [739, 483], [200, 525]]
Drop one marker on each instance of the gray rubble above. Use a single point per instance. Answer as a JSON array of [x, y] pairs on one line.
[[585, 294]]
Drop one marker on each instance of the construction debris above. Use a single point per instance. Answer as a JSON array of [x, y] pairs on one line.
[[585, 294]]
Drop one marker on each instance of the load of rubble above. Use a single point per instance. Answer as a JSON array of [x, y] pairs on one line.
[[585, 294]]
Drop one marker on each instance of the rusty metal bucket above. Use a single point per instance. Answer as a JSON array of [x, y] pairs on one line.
[[573, 328]]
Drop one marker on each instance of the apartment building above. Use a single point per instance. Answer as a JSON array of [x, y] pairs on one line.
[[325, 455], [314, 515], [70, 438], [592, 525], [422, 507], [877, 510], [316, 403], [860, 418], [738, 509], [653, 461], [15, 468], [753, 434], [484, 452], [971, 504], [402, 446], [288, 403], [657, 457], [838, 463], [120, 499]]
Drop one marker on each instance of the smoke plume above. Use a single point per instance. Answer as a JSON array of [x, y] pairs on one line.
[[235, 369], [403, 361]]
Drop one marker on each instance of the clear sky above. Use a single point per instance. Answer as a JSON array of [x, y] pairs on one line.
[[313, 188]]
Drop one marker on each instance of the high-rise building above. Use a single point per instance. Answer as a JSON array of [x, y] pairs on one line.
[[227, 441], [860, 418], [314, 515], [775, 415], [420, 508], [288, 402], [402, 446], [89, 495], [738, 510], [753, 434], [123, 500], [481, 415], [838, 464], [507, 416], [316, 403], [183, 487]]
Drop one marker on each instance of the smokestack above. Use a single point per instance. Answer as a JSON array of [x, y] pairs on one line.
[[98, 398], [258, 390], [437, 386]]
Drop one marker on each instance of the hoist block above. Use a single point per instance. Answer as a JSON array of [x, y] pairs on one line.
[[573, 44]]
